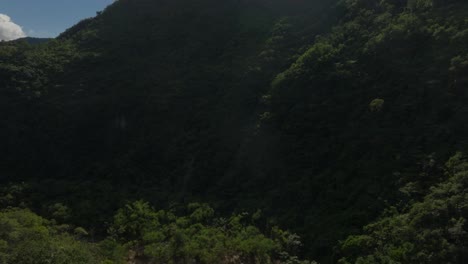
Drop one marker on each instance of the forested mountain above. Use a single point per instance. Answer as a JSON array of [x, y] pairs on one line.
[[32, 40], [317, 117]]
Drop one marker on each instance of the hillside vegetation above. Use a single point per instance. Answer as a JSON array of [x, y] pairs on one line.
[[334, 119]]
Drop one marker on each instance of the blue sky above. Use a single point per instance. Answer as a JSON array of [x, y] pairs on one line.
[[48, 18]]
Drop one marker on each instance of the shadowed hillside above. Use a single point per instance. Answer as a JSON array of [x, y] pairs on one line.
[[315, 113]]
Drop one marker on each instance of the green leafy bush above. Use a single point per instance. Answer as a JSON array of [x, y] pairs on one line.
[[27, 238], [200, 237]]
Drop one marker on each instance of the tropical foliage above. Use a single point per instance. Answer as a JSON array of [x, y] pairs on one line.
[[319, 113]]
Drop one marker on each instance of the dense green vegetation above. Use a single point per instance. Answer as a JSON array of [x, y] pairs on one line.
[[140, 234], [321, 114], [371, 100], [28, 238], [164, 237], [428, 230]]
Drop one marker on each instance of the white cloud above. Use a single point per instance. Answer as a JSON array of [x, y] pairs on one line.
[[9, 30]]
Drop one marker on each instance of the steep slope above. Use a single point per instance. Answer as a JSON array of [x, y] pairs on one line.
[[150, 99], [244, 104], [361, 109], [430, 230]]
